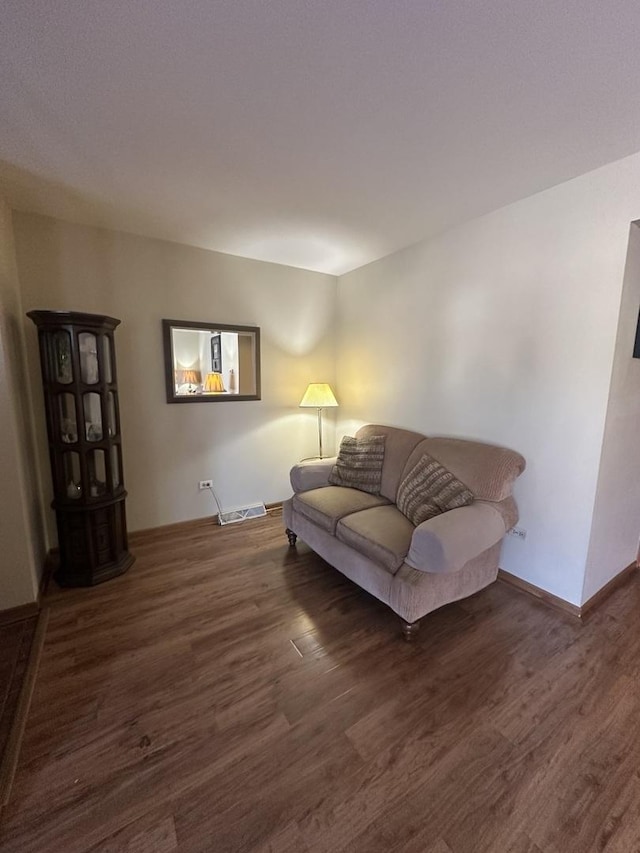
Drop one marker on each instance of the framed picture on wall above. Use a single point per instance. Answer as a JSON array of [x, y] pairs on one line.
[[216, 354]]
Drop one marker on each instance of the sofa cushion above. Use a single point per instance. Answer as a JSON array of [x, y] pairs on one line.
[[327, 505], [398, 445], [381, 533], [487, 469], [359, 464], [428, 489]]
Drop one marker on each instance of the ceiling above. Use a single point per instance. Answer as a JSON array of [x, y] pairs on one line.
[[316, 133]]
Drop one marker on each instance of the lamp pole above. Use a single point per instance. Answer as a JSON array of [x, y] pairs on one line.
[[320, 430]]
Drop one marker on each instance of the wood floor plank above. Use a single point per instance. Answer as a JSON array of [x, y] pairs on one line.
[[284, 840], [264, 788], [231, 694], [619, 832], [440, 846], [153, 833], [441, 786]]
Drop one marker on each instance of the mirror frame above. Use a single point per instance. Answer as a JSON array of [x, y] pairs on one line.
[[169, 325]]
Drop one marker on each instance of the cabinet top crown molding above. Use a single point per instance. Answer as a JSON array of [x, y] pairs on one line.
[[75, 318]]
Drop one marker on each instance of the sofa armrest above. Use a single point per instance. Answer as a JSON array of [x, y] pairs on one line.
[[448, 541], [313, 474]]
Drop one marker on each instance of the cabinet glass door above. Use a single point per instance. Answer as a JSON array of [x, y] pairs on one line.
[[106, 359], [92, 417], [72, 479], [112, 427], [88, 358], [61, 346], [67, 423]]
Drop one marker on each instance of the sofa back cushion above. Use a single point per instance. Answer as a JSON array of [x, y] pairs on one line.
[[486, 469], [429, 489], [399, 443]]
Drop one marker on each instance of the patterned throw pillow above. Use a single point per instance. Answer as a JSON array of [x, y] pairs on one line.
[[359, 464], [429, 489]]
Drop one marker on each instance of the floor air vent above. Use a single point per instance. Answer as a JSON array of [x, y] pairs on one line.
[[230, 516]]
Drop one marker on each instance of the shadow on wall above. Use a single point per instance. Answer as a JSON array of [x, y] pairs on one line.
[[37, 193], [311, 320], [34, 487]]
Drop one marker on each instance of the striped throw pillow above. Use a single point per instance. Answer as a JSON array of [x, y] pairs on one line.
[[359, 464], [429, 489]]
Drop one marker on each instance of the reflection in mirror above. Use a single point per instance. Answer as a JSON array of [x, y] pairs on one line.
[[209, 362]]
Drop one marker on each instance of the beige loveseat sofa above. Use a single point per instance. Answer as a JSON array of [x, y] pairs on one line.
[[412, 569]]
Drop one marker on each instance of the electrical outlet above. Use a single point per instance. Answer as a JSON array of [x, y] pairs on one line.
[[205, 484], [518, 532]]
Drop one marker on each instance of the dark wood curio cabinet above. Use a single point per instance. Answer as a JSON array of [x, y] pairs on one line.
[[77, 359]]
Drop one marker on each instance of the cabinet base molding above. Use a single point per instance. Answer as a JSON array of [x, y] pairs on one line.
[[67, 578], [95, 544]]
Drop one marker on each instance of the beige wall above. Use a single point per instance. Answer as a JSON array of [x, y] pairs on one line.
[[246, 447], [616, 517], [21, 535], [504, 330]]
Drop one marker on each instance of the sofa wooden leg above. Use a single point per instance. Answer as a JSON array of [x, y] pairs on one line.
[[292, 537], [410, 629]]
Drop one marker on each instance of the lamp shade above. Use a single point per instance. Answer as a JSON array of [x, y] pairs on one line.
[[192, 377], [318, 396], [213, 382]]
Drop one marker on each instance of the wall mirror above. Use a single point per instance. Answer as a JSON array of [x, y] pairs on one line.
[[210, 362]]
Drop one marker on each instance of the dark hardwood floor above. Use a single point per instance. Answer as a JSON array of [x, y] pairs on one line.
[[16, 638], [232, 694], [15, 645]]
